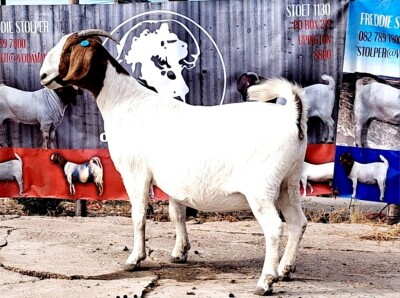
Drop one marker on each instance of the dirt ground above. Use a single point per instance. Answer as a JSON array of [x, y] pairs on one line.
[[67, 256]]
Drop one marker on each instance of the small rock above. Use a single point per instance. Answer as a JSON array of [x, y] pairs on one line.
[[3, 242], [190, 293]]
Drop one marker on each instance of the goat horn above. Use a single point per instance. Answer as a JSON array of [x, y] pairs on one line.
[[90, 32], [256, 75]]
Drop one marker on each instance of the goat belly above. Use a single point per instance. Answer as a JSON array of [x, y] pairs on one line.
[[80, 173]]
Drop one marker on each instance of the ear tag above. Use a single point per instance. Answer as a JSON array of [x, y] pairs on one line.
[[84, 43]]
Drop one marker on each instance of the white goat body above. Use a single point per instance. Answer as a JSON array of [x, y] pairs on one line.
[[43, 107], [253, 163], [320, 100], [374, 100], [12, 170], [316, 173]]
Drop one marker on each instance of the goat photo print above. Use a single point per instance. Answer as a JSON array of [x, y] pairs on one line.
[[367, 162]]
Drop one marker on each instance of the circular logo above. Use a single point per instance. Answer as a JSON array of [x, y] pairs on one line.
[[163, 51]]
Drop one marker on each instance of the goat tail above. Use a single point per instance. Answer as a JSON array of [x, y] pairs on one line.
[[97, 162], [385, 161], [279, 87], [330, 80], [18, 157]]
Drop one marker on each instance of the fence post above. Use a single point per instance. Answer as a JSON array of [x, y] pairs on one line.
[[393, 214], [80, 208]]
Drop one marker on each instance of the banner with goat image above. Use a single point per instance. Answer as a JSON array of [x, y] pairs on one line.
[[367, 163], [200, 53]]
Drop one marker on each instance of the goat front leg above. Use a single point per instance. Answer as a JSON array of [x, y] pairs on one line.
[[2, 134], [177, 213], [296, 223], [138, 195], [52, 137], [45, 130], [354, 184], [71, 185]]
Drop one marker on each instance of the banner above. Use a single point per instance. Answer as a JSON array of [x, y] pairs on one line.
[[195, 52], [367, 163]]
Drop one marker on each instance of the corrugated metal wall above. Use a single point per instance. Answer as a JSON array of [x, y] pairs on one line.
[[251, 36]]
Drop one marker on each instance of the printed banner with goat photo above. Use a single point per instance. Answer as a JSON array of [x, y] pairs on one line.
[[202, 53], [367, 163]]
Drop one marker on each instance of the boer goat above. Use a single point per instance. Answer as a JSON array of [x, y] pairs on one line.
[[254, 166], [374, 100], [91, 171], [316, 173], [44, 107], [320, 99], [12, 170], [370, 173]]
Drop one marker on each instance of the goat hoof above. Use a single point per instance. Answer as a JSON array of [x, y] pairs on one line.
[[178, 259], [131, 267], [262, 292], [286, 274]]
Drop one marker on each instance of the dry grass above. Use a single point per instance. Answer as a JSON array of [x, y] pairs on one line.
[[158, 211], [390, 233], [355, 214]]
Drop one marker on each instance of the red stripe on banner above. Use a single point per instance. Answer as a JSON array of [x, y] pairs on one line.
[[43, 179], [319, 154]]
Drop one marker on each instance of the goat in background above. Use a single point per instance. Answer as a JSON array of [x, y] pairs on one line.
[[44, 107], [12, 170], [369, 173], [320, 99], [374, 100], [91, 171], [316, 173]]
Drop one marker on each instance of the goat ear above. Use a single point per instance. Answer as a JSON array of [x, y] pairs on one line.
[[79, 62]]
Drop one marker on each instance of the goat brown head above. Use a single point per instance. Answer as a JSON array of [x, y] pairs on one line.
[[347, 161], [57, 159], [79, 59]]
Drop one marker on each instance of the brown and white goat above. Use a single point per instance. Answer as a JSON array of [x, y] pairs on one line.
[[254, 166], [91, 171], [369, 173]]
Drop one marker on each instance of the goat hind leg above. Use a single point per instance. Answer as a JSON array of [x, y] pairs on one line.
[[296, 223], [267, 216], [177, 213], [331, 129]]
